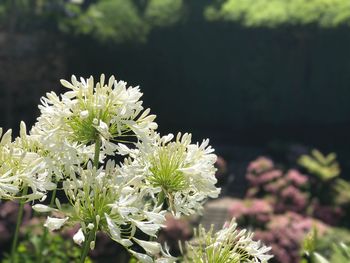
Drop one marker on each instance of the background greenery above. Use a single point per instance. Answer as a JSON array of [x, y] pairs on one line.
[[240, 72]]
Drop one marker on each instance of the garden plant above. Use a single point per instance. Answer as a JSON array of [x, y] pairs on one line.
[[286, 206], [94, 159]]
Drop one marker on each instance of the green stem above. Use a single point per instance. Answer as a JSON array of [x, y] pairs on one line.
[[86, 247], [161, 198], [97, 152], [171, 203], [92, 233], [46, 231], [18, 224]]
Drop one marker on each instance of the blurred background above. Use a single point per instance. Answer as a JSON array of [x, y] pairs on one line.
[[258, 77]]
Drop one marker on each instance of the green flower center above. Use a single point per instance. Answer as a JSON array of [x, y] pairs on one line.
[[83, 122], [165, 166], [83, 129]]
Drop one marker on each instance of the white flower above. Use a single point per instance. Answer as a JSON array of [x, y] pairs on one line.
[[154, 250], [90, 111], [166, 257], [84, 114], [42, 208], [150, 247], [9, 178], [258, 251], [184, 172], [53, 223], [123, 203], [114, 231], [226, 245], [22, 166], [147, 227], [79, 237], [156, 217]]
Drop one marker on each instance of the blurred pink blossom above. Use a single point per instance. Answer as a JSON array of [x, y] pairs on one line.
[[285, 233], [251, 210], [259, 165], [264, 177], [296, 177]]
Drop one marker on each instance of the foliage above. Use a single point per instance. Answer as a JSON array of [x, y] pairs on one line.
[[104, 20], [327, 186], [57, 249], [164, 12], [283, 206], [309, 244], [325, 167], [274, 13], [342, 190], [339, 252], [115, 20]]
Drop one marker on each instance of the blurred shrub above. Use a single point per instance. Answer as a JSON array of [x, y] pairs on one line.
[[164, 12], [342, 191], [285, 233], [318, 249], [286, 191], [104, 20], [283, 206], [251, 212], [117, 20], [330, 192], [341, 253], [325, 167], [57, 250], [273, 13]]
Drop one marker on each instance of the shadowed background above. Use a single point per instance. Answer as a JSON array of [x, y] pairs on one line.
[[257, 80]]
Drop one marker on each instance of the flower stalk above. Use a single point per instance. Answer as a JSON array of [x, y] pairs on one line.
[[92, 233], [46, 231], [86, 247], [97, 152], [18, 225]]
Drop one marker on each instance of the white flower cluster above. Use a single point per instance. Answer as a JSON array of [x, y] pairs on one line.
[[110, 112], [75, 143], [22, 168], [227, 245], [182, 173]]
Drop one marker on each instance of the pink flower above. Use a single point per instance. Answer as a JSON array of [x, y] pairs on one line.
[[275, 186], [286, 232], [261, 164], [263, 178], [296, 177], [291, 199], [259, 206], [252, 209]]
